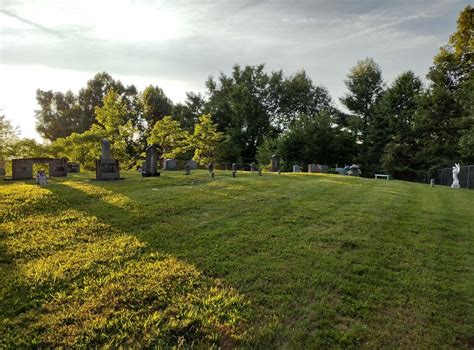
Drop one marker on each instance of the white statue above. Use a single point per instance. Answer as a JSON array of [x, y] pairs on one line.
[[456, 170]]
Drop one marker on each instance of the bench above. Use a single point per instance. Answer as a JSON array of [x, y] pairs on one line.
[[382, 175]]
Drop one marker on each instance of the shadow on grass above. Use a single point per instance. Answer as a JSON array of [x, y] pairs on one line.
[[70, 279], [322, 271]]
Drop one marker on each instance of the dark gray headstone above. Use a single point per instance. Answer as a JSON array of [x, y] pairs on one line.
[[73, 167], [150, 167], [192, 164], [58, 167], [107, 168], [171, 164], [22, 169], [2, 169], [275, 166], [105, 150]]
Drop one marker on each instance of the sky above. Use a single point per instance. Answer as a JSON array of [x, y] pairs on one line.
[[60, 44]]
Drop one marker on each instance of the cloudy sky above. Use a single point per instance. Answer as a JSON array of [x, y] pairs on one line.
[[59, 45]]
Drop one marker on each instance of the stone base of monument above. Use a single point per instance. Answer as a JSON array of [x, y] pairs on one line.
[[107, 169], [150, 174]]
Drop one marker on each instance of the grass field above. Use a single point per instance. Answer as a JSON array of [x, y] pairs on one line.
[[285, 261]]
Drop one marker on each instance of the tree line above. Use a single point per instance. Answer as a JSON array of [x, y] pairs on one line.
[[406, 129]]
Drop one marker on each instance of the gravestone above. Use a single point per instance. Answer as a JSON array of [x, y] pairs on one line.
[[322, 168], [150, 167], [58, 167], [106, 168], [73, 167], [22, 169], [312, 168], [192, 164], [187, 169], [41, 178], [210, 169], [432, 182], [171, 164], [275, 166], [2, 169], [296, 169], [253, 168], [234, 169]]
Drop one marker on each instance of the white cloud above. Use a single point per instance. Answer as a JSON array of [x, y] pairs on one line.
[[59, 45]]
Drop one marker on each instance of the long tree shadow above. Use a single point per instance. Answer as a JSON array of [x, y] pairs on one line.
[[84, 280], [319, 262]]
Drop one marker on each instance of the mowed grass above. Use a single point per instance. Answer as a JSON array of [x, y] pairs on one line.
[[277, 261]]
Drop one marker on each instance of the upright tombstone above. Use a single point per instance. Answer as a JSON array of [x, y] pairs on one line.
[[107, 168], [234, 169], [275, 163], [210, 169], [296, 169], [456, 171], [322, 168], [253, 168], [150, 167], [192, 164], [312, 168], [170, 164], [73, 167], [2, 169], [22, 169], [58, 167], [187, 169]]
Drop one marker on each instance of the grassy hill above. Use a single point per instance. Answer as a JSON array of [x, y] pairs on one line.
[[290, 260]]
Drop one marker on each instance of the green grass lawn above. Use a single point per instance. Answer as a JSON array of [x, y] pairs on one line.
[[277, 261]]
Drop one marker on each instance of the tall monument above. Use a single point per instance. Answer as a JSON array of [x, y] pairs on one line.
[[107, 168], [151, 163], [275, 166]]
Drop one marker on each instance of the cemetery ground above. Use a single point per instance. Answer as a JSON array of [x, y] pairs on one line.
[[290, 260]]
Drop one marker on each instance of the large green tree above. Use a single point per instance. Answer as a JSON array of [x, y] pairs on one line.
[[394, 140], [113, 117], [237, 104], [155, 105], [189, 111], [168, 135], [205, 140], [366, 86], [445, 116], [291, 97], [8, 137], [61, 114], [316, 139], [251, 104]]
